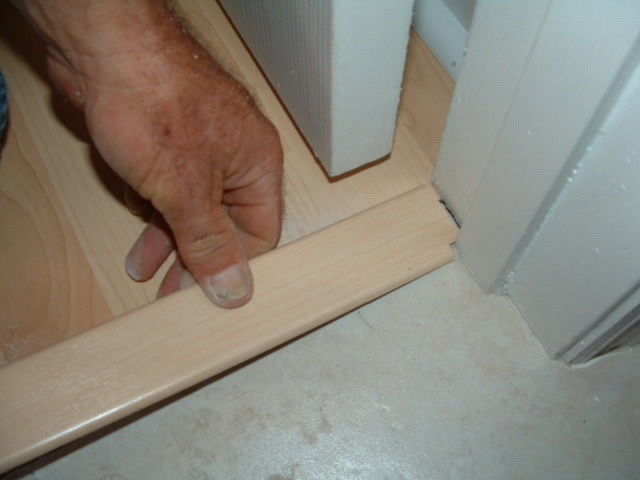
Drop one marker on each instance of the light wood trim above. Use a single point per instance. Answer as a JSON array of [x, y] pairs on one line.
[[51, 139], [104, 374], [86, 382]]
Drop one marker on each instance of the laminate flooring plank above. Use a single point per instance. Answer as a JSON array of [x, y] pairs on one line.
[[47, 289], [98, 377], [313, 201], [426, 97], [89, 192], [90, 195], [392, 234]]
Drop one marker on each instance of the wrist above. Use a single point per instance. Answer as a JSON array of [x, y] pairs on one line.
[[93, 40], [88, 27]]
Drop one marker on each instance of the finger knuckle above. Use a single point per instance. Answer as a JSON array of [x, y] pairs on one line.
[[206, 247]]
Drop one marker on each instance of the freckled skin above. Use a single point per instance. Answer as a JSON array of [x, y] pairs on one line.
[[173, 124]]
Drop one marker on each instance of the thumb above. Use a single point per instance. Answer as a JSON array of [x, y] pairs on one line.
[[210, 249]]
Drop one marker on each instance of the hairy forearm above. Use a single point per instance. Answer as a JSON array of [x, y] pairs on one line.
[[92, 26], [178, 129], [88, 41]]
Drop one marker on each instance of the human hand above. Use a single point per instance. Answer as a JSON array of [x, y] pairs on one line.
[[187, 137]]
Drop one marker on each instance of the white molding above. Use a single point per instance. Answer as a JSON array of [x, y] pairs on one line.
[[581, 274], [527, 171], [337, 65], [483, 95], [523, 101], [370, 39], [441, 30]]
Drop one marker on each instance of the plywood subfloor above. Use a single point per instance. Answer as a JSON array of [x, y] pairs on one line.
[[64, 233]]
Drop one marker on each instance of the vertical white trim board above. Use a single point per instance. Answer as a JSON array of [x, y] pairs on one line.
[[462, 9], [535, 76], [485, 88], [540, 81], [585, 260], [442, 31], [338, 67]]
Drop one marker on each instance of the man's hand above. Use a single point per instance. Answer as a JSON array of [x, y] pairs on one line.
[[178, 129]]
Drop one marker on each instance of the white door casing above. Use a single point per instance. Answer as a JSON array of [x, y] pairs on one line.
[[580, 276], [536, 117], [338, 67]]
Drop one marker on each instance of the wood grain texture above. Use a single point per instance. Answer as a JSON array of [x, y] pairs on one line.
[[47, 289], [65, 232], [90, 195], [89, 192], [426, 97], [312, 201], [169, 345]]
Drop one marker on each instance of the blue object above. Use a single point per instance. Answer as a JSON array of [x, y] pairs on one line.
[[4, 103]]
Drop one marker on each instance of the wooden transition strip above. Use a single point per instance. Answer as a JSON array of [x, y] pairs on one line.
[[66, 231], [91, 380]]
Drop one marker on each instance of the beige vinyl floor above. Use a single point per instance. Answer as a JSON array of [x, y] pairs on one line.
[[436, 380]]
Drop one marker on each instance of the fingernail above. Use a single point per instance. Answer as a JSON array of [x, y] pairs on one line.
[[133, 262], [230, 288]]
